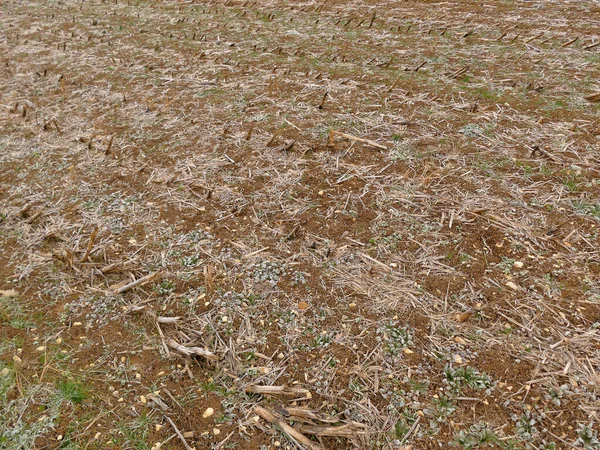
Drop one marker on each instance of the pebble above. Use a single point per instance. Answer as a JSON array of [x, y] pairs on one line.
[[460, 340], [302, 305], [208, 413], [10, 293], [216, 431], [518, 264]]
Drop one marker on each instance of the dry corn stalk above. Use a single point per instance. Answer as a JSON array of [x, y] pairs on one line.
[[278, 390], [189, 351]]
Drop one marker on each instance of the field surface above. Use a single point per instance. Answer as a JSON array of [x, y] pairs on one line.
[[321, 225]]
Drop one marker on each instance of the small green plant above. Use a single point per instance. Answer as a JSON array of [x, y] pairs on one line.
[[571, 183], [472, 130], [457, 378], [587, 437], [525, 426], [479, 435], [395, 338], [134, 434], [401, 429], [506, 264], [418, 387], [321, 340], [555, 395], [587, 209], [72, 391], [165, 287]]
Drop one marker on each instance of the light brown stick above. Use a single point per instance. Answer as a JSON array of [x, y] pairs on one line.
[[297, 437], [90, 245], [594, 98], [357, 139], [348, 430], [188, 351], [145, 279], [277, 390], [179, 433]]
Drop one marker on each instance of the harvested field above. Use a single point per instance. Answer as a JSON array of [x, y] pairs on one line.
[[339, 224]]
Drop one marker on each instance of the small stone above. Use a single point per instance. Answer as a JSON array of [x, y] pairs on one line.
[[518, 264], [460, 340], [59, 437], [77, 324], [208, 413], [158, 427], [138, 376], [224, 319], [10, 293], [59, 341], [41, 348], [352, 305], [143, 399], [281, 356], [463, 317], [216, 431], [408, 351], [97, 435], [458, 359], [263, 370]]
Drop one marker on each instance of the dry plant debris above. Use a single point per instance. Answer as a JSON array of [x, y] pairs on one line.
[[270, 224]]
